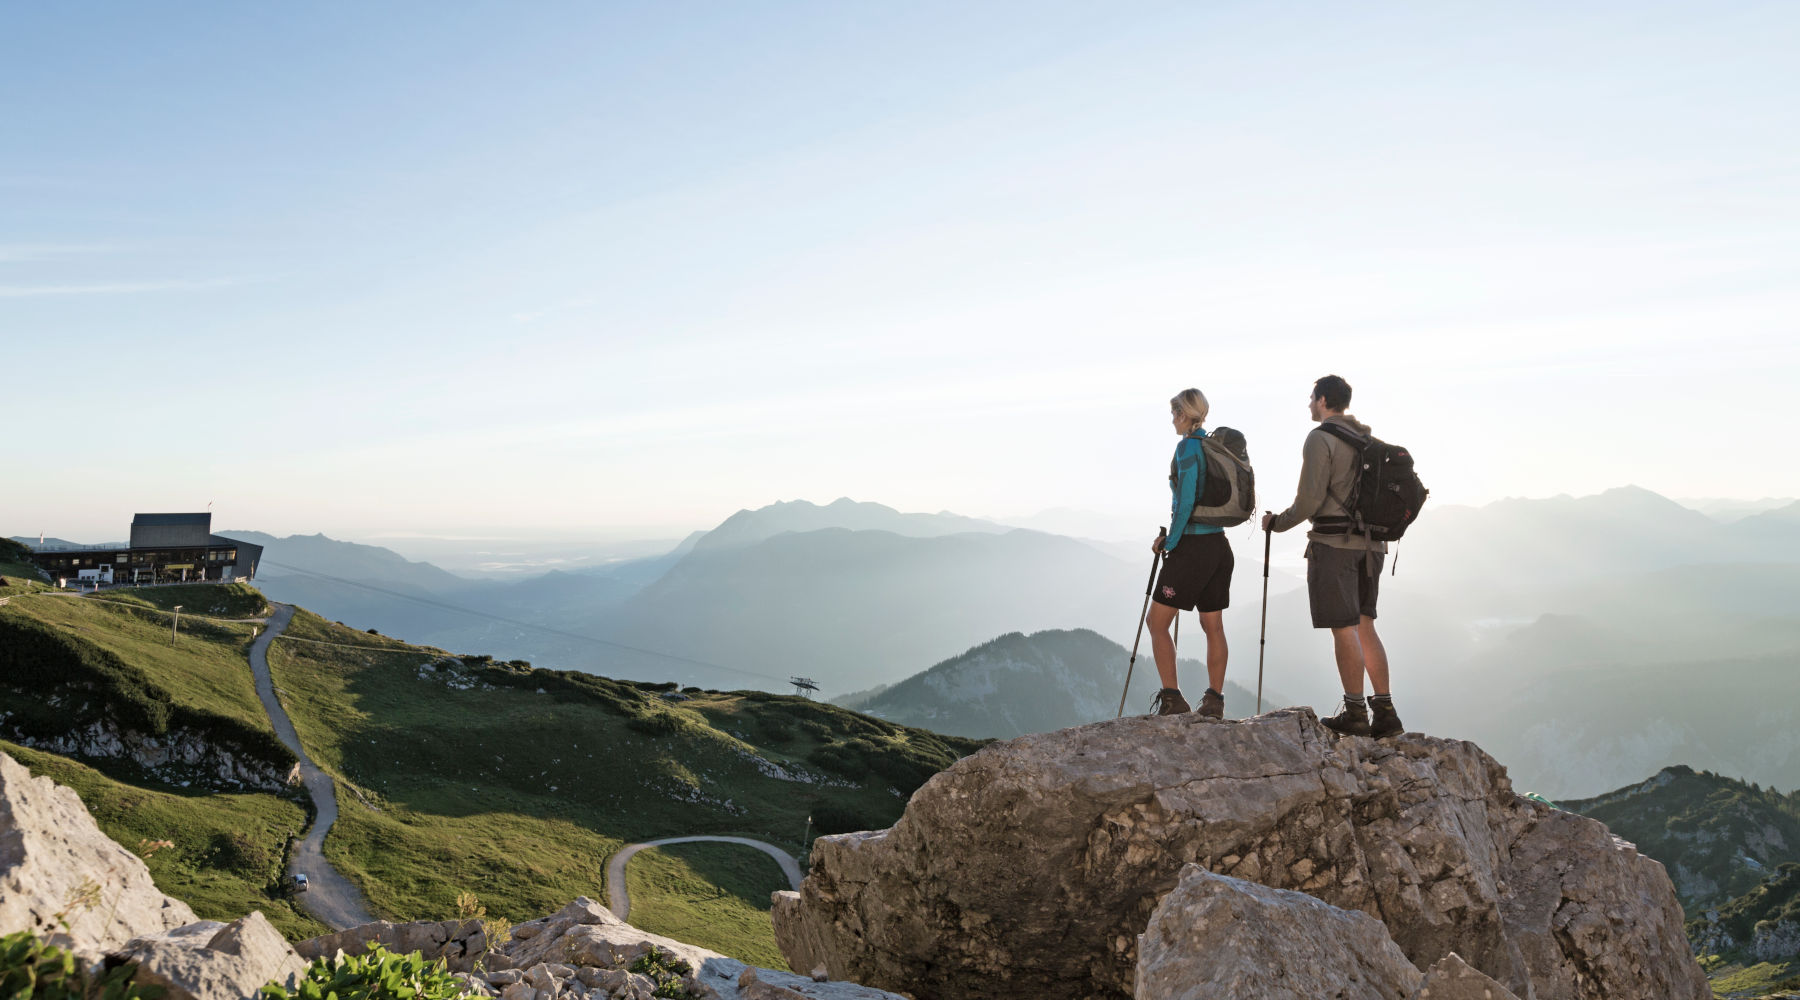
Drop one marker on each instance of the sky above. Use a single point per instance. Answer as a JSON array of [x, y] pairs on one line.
[[586, 268]]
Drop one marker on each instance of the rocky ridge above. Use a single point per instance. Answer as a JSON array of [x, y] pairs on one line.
[[1032, 867]]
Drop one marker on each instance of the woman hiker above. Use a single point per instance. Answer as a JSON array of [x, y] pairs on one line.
[[1196, 569]]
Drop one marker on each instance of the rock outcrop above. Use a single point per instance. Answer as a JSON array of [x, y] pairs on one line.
[[57, 869], [180, 756], [214, 961], [1030, 867], [1453, 979], [1214, 935], [457, 942], [583, 952]]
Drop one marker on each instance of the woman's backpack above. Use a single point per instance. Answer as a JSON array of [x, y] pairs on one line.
[[1228, 494]]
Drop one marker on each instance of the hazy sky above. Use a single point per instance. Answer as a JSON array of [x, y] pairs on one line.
[[366, 268]]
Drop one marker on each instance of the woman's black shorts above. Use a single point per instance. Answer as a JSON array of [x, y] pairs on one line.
[[1197, 575]]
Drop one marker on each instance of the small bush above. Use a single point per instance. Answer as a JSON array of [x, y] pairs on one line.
[[377, 974], [666, 971], [30, 967]]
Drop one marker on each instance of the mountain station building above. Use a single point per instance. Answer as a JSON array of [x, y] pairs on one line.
[[164, 548]]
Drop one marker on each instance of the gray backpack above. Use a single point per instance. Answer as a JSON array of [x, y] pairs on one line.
[[1228, 496]]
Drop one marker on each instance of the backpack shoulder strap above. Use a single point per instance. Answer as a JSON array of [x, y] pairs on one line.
[[1345, 434]]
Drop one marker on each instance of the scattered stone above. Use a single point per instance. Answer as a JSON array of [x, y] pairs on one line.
[[601, 948], [56, 865], [213, 961], [1453, 979], [1219, 936], [458, 942], [766, 984], [1030, 867]]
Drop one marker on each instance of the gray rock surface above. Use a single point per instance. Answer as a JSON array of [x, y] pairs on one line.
[[598, 949], [1453, 979], [1032, 865], [458, 942], [1213, 935], [213, 961], [54, 860]]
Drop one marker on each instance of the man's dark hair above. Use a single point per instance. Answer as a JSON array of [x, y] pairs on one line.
[[1334, 391]]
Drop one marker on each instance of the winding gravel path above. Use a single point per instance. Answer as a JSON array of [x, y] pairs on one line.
[[620, 902], [332, 898]]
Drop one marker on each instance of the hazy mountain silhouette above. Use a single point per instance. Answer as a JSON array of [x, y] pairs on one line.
[[748, 527], [351, 560], [1018, 684], [1621, 630]]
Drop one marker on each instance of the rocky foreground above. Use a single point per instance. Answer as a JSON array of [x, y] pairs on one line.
[[1181, 857], [65, 881], [1263, 858]]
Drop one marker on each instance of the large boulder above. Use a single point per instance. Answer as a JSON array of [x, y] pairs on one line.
[[1030, 867], [1217, 936], [64, 880], [213, 961], [458, 942]]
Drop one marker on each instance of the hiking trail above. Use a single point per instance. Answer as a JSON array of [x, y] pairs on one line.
[[332, 898], [619, 901]]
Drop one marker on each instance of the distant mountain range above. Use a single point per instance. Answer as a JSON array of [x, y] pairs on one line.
[[1585, 641], [1718, 836], [1018, 684], [1733, 851]]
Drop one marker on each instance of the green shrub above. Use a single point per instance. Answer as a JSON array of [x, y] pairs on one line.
[[32, 968], [377, 974], [666, 971]]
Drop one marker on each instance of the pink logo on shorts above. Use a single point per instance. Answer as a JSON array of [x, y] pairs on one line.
[[1168, 591]]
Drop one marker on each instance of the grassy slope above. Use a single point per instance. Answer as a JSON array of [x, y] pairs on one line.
[[21, 578], [518, 788], [228, 849], [232, 600], [715, 891], [207, 668]]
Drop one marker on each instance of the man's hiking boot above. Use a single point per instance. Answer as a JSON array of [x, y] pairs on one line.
[[1169, 701], [1384, 721], [1212, 704], [1352, 721]]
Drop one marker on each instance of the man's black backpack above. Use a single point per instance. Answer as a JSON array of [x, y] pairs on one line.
[[1385, 498]]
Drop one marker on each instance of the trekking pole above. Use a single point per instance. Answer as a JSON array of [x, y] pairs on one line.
[[1262, 641], [1155, 560]]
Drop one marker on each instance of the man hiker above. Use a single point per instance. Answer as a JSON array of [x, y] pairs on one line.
[[1343, 569]]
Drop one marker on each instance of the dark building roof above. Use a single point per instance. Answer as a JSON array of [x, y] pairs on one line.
[[170, 520]]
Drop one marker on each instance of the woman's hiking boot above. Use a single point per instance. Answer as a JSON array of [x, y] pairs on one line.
[[1352, 721], [1212, 704], [1169, 701], [1383, 720]]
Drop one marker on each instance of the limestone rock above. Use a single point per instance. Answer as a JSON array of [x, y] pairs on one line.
[[600, 948], [1452, 979], [458, 942], [767, 984], [53, 859], [1213, 935], [213, 961], [1030, 867]]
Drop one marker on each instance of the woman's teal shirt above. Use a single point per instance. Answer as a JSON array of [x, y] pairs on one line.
[[1190, 472]]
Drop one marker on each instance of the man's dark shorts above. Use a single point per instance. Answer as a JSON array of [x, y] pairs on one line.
[[1341, 584], [1197, 575]]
